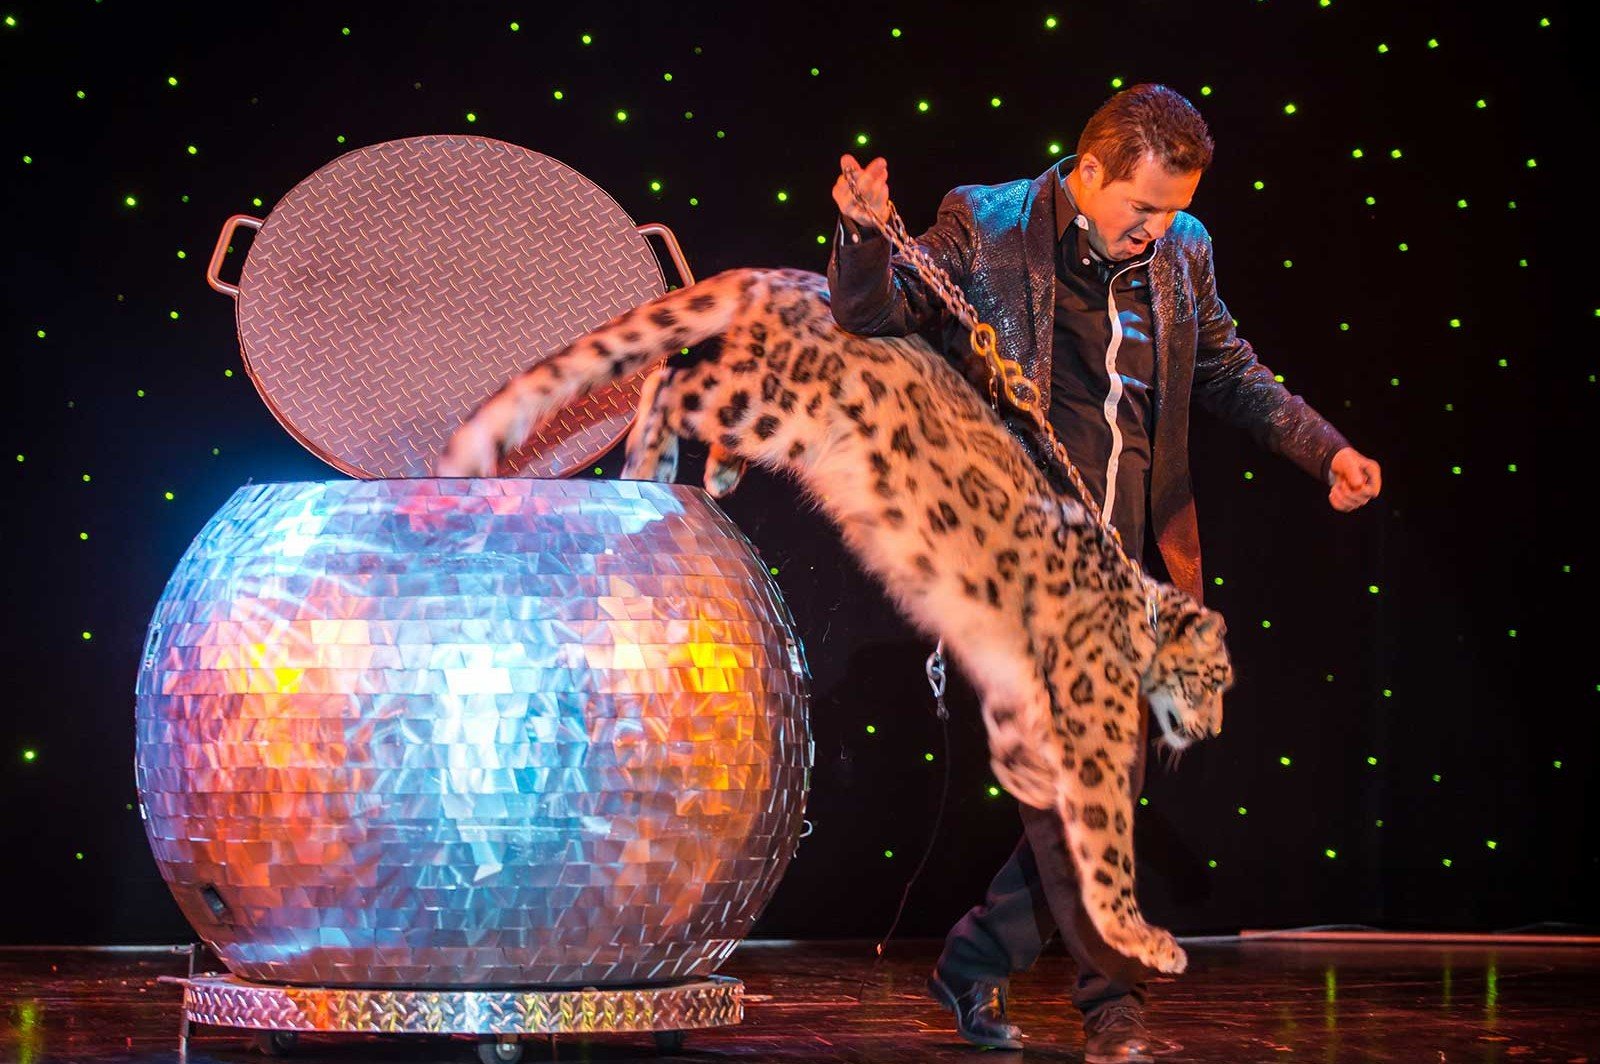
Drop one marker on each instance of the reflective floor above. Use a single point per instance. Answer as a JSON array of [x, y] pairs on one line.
[[1238, 1003]]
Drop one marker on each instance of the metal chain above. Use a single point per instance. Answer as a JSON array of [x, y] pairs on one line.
[[935, 673], [1019, 391]]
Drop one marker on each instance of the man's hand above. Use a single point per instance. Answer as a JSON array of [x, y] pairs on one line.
[[1356, 480], [874, 185]]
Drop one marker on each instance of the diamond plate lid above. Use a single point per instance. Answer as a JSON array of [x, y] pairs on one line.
[[396, 288]]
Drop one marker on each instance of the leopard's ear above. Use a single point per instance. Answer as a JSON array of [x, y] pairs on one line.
[[1177, 610], [1210, 628]]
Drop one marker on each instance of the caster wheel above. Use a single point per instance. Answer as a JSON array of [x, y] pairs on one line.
[[277, 1043], [669, 1041], [494, 1051]]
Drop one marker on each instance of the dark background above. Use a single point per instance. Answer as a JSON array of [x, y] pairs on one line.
[[1470, 675]]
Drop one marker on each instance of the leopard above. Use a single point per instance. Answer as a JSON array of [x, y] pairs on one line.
[[936, 499]]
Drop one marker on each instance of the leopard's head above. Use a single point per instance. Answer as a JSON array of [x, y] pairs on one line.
[[1190, 671]]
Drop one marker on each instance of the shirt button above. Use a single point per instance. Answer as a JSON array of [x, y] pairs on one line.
[[1086, 262]]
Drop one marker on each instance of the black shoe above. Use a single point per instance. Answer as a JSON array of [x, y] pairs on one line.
[[1116, 1035], [980, 1008]]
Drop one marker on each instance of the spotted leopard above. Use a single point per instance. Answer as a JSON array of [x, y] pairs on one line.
[[935, 499]]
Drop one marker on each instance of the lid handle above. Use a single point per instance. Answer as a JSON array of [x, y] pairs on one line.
[[226, 238]]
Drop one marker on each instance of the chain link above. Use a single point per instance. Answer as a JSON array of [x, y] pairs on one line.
[[1007, 381], [934, 670]]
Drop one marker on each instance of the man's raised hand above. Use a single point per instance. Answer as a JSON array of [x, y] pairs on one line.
[[873, 182]]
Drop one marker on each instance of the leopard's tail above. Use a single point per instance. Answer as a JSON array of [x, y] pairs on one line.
[[616, 350]]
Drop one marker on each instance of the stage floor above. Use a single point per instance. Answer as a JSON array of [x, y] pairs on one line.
[[1238, 1003]]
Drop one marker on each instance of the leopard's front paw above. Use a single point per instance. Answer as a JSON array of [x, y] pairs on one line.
[[1025, 778], [1154, 948]]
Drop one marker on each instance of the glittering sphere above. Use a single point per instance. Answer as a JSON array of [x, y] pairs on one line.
[[472, 732]]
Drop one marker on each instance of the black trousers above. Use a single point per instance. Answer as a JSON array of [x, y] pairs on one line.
[[1035, 894]]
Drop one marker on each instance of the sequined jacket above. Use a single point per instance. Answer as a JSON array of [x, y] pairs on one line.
[[998, 242]]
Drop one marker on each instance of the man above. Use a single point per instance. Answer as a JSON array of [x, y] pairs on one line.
[[1102, 289]]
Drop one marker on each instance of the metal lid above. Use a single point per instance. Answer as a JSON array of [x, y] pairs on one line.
[[396, 288]]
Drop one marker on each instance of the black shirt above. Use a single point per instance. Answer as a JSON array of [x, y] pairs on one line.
[[1102, 373]]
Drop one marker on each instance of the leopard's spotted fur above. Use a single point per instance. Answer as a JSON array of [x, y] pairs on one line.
[[934, 498]]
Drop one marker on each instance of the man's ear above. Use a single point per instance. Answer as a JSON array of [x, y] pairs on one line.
[[1089, 169]]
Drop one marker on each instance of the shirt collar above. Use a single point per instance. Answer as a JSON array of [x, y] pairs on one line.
[[1066, 207], [1067, 216]]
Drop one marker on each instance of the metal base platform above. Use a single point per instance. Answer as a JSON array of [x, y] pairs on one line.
[[278, 1013]]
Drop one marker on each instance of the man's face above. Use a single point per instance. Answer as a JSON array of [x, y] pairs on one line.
[[1126, 216]]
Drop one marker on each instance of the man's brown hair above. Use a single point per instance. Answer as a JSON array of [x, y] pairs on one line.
[[1147, 120]]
